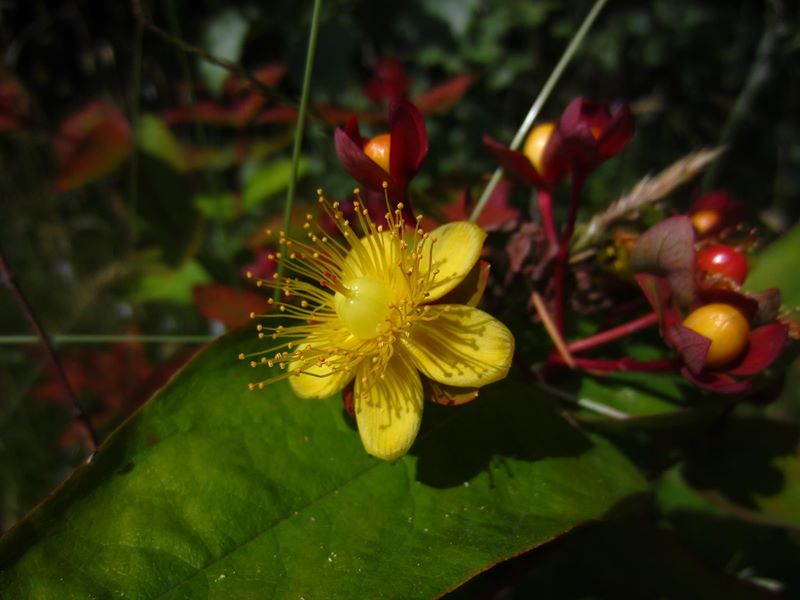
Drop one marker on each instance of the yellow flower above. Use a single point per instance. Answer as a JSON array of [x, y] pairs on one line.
[[373, 310]]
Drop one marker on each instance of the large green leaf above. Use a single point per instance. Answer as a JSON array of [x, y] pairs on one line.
[[751, 468], [214, 491], [774, 268]]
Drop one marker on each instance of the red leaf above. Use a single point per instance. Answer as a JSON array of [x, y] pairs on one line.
[[14, 101], [229, 305], [443, 96], [389, 80], [90, 144]]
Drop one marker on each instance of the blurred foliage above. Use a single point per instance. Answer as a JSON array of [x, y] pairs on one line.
[[125, 248]]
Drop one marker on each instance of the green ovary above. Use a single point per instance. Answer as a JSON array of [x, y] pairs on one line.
[[365, 307]]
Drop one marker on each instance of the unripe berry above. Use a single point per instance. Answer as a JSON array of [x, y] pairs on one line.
[[723, 260], [536, 142], [704, 221], [725, 326], [378, 150]]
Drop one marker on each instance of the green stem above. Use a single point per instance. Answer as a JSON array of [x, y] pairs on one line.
[[300, 125], [536, 107], [93, 338]]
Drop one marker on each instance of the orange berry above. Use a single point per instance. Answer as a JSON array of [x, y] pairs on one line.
[[536, 142], [378, 150], [725, 326]]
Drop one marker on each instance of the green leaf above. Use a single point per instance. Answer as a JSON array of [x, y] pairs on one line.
[[772, 266], [739, 542], [173, 285], [751, 468], [220, 206], [270, 179], [224, 38], [214, 491], [620, 558], [155, 138], [643, 400]]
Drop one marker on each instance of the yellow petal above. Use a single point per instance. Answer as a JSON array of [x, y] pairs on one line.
[[388, 409], [321, 381], [461, 346], [458, 246], [318, 381]]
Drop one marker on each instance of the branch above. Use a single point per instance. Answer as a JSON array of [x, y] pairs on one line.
[[7, 279]]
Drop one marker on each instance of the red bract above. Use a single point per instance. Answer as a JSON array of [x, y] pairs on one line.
[[587, 134], [517, 165], [665, 279], [409, 146], [714, 213], [389, 81]]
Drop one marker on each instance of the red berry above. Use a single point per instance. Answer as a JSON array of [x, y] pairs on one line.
[[723, 260]]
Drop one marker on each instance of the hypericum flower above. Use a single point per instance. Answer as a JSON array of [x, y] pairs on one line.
[[402, 151], [375, 310]]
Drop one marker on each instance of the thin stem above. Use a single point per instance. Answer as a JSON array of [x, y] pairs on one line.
[[300, 125], [136, 83], [613, 334], [601, 365], [544, 198], [7, 278], [101, 338], [559, 271], [203, 54], [552, 330], [536, 107]]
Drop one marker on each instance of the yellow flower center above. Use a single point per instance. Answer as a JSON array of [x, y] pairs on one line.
[[364, 307]]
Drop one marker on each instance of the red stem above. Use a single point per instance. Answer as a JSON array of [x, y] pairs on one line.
[[544, 197], [7, 279], [559, 271], [623, 364], [615, 333]]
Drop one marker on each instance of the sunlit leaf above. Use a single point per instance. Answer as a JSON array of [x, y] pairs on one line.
[[214, 491], [270, 179], [224, 37], [157, 139], [174, 285], [771, 266]]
